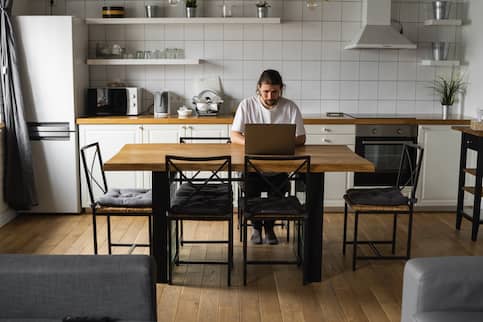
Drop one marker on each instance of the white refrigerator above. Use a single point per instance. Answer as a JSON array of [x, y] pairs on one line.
[[52, 55]]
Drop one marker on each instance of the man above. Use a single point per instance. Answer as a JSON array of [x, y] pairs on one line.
[[267, 106]]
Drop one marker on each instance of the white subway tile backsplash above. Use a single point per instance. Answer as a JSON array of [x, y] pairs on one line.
[[387, 90], [330, 90], [368, 70], [331, 31], [311, 70], [292, 30], [330, 70], [311, 90], [233, 50], [253, 50], [272, 32], [311, 50], [406, 90], [349, 70], [291, 70], [331, 11], [349, 90], [307, 48], [368, 90], [252, 32], [272, 50], [292, 50]]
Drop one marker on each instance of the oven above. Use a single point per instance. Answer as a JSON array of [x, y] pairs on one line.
[[382, 145]]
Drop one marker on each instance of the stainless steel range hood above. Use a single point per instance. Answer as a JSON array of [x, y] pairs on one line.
[[377, 31]]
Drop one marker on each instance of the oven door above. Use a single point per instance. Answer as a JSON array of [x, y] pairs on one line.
[[385, 153]]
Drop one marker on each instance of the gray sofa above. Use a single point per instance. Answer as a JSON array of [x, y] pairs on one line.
[[45, 288], [443, 289]]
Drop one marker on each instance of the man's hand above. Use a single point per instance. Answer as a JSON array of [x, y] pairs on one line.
[[237, 137]]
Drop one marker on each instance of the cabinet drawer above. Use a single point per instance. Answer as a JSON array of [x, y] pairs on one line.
[[330, 129], [345, 139]]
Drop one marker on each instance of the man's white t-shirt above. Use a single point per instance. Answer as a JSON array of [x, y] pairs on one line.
[[251, 110]]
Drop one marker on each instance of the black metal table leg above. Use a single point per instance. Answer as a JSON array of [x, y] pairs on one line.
[[159, 248], [477, 196], [314, 229], [461, 181]]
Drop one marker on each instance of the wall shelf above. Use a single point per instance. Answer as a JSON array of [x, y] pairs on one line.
[[190, 61], [440, 63], [443, 22], [200, 20]]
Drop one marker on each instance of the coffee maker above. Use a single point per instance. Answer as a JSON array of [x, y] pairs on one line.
[[163, 102]]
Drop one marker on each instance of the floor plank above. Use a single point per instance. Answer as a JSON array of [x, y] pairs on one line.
[[274, 293]]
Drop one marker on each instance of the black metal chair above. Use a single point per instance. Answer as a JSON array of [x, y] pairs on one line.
[[195, 198], [112, 202], [386, 201], [200, 139], [280, 204]]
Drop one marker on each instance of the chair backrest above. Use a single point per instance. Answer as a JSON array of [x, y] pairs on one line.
[[180, 170], [204, 139], [263, 167], [411, 168], [93, 170]]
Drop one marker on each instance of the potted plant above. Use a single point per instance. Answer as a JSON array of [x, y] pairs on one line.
[[262, 9], [191, 8], [448, 89]]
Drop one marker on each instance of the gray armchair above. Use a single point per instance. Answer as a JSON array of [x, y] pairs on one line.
[[45, 288], [443, 289]]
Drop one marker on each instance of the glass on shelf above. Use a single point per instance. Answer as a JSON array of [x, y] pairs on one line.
[[147, 54], [139, 54], [173, 2], [170, 53]]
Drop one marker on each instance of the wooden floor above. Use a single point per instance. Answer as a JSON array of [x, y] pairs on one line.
[[274, 293]]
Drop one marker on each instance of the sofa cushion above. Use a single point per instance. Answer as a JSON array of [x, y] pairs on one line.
[[446, 316]]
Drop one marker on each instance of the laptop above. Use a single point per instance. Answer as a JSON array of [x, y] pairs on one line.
[[271, 139]]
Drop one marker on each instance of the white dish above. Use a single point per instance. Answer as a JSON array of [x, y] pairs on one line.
[[185, 113]]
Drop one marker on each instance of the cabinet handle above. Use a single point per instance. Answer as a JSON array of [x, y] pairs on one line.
[[141, 127], [324, 140], [324, 129], [184, 127]]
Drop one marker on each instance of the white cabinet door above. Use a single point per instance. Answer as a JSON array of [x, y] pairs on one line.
[[336, 183], [111, 138], [171, 134], [206, 130], [438, 183]]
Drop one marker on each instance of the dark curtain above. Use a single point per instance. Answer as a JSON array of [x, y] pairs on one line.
[[19, 184]]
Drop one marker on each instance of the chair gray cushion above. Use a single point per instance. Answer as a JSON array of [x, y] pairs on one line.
[[126, 198], [212, 199], [446, 316], [273, 205], [377, 197]]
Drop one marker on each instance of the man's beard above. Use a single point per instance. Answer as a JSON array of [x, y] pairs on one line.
[[271, 102]]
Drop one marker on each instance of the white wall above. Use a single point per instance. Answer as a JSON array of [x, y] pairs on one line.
[[307, 48], [473, 54]]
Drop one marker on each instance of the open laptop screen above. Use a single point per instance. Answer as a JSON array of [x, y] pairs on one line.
[[274, 139]]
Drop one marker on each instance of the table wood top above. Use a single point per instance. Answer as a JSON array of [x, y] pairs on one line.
[[151, 157], [468, 130]]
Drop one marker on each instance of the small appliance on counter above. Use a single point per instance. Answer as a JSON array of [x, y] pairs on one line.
[[114, 101], [208, 100], [163, 102]]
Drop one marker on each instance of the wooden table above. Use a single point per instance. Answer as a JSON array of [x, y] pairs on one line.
[[473, 140], [151, 157]]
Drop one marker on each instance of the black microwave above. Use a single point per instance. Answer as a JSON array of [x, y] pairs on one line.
[[114, 101]]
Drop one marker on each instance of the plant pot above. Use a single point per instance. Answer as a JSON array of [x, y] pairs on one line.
[[446, 110], [440, 50], [190, 12], [441, 9], [262, 12]]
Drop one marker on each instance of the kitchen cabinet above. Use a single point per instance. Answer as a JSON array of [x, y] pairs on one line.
[[111, 138], [438, 180], [336, 183]]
